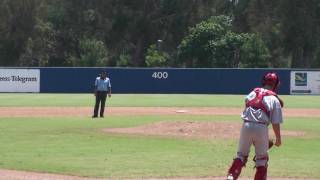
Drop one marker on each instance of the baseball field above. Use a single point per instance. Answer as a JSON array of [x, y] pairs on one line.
[[144, 136]]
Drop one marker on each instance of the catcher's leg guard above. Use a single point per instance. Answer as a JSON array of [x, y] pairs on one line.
[[261, 173], [235, 168]]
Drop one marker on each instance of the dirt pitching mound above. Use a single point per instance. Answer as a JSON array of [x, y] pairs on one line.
[[191, 129]]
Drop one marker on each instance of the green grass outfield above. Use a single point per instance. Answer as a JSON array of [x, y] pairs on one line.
[[150, 100], [77, 146]]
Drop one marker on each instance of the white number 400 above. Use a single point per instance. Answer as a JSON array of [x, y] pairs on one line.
[[160, 75]]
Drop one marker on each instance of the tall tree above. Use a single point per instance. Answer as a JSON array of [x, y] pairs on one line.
[[139, 24], [18, 19], [290, 29], [300, 30], [212, 43], [263, 18]]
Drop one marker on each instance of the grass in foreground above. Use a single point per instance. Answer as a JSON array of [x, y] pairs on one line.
[[144, 100], [77, 146]]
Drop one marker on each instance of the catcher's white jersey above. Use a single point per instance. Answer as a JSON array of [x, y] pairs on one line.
[[271, 103], [257, 133]]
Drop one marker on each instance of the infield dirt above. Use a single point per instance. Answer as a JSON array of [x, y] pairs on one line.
[[23, 175], [136, 111]]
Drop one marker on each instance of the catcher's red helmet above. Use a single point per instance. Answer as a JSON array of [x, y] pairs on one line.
[[271, 79]]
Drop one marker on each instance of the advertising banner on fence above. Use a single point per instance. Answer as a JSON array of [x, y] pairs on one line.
[[305, 82], [19, 80]]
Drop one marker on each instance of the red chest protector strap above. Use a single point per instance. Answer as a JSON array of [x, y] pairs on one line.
[[256, 102]]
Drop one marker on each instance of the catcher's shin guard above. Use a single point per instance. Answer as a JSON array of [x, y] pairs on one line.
[[261, 173], [235, 169]]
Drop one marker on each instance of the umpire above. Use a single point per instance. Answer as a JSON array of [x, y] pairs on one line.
[[102, 87]]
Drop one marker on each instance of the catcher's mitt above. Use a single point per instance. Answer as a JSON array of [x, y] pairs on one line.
[[271, 143], [281, 102]]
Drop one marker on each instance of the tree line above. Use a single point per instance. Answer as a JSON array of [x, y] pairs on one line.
[[160, 33]]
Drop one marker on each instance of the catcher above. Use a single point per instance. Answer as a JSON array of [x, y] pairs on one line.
[[262, 107]]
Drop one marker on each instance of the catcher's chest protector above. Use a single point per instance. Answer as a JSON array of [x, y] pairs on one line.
[[256, 102]]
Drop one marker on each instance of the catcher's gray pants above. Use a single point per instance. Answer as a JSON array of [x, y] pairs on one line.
[[258, 135]]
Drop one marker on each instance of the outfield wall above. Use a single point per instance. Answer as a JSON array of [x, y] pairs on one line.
[[137, 80], [153, 80]]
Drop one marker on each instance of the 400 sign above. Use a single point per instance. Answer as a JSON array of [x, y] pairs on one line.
[[160, 75]]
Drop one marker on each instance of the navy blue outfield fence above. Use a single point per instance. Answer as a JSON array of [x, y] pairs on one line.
[[159, 80]]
